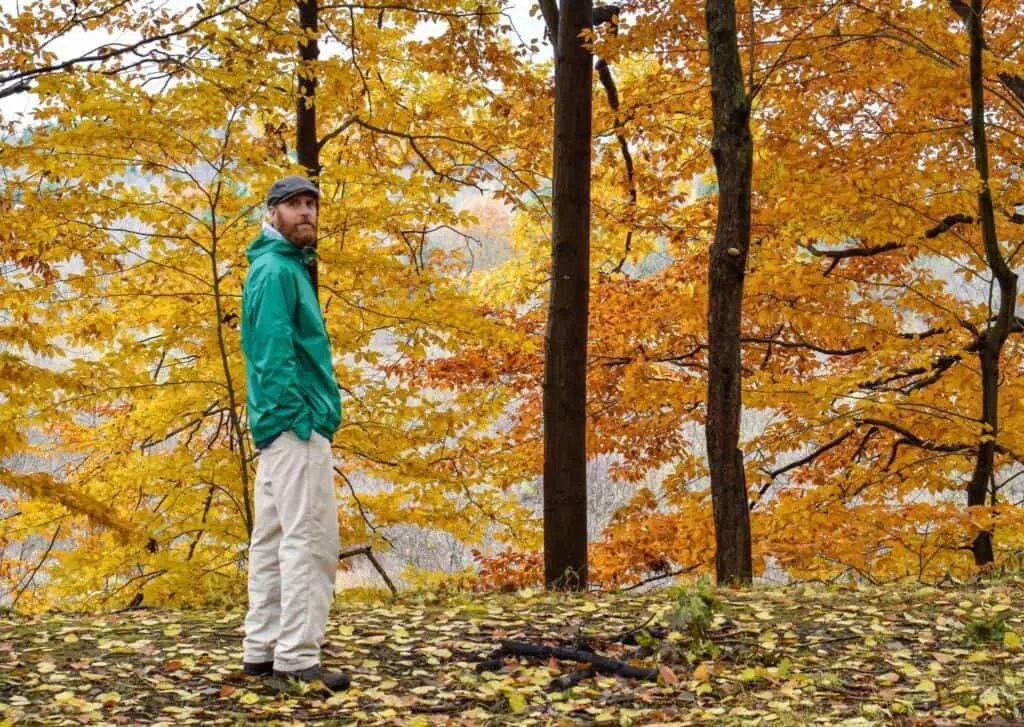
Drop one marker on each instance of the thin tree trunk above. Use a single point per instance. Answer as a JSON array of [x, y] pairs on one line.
[[306, 141], [994, 338], [732, 149], [565, 361], [233, 403]]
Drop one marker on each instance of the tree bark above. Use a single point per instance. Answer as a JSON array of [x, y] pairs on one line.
[[565, 361], [992, 341], [732, 149], [306, 143]]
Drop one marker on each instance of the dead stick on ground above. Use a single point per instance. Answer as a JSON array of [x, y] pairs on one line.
[[365, 550], [599, 663], [569, 681]]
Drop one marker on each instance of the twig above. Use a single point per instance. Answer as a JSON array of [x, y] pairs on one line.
[[32, 575], [626, 637], [661, 577], [834, 639]]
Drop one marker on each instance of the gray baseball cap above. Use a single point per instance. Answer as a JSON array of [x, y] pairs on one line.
[[288, 187]]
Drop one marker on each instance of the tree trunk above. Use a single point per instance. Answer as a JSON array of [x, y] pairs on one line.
[[565, 361], [732, 149], [307, 143], [996, 335]]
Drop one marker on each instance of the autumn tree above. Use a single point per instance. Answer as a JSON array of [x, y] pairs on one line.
[[868, 293], [132, 205], [993, 337], [866, 289]]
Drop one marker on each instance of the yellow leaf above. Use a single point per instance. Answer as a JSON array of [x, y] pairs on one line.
[[910, 670], [1011, 641], [517, 702], [989, 698]]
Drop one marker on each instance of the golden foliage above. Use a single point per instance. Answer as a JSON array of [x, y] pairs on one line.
[[129, 197]]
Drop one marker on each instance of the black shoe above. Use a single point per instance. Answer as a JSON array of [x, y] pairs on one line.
[[335, 681], [258, 668]]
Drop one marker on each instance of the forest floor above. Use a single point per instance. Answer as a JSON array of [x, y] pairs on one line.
[[794, 655]]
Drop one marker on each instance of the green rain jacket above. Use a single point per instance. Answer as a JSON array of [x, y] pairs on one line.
[[290, 384]]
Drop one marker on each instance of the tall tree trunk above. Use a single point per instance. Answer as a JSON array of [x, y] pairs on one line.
[[307, 143], [994, 338], [565, 361], [732, 148]]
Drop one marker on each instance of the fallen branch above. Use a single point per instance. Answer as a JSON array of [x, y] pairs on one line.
[[365, 550], [560, 684], [599, 663]]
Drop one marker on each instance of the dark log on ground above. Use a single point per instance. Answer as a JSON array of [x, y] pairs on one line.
[[568, 681], [599, 663]]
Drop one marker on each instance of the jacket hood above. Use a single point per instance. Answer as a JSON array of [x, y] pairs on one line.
[[271, 241]]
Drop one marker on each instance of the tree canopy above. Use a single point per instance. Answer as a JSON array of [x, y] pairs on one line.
[[131, 190]]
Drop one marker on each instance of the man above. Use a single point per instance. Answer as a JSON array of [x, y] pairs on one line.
[[294, 409]]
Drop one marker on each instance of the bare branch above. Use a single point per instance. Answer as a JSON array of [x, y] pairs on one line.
[[940, 365], [32, 575], [912, 439], [809, 458], [1015, 84], [771, 341], [660, 577], [947, 223], [365, 550], [20, 81], [412, 139], [839, 255]]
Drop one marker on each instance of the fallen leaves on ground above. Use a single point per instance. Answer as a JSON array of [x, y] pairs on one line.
[[780, 656]]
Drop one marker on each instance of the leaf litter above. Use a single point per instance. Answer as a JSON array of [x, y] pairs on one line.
[[770, 656]]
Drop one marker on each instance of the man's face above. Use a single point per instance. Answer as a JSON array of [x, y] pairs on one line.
[[295, 218]]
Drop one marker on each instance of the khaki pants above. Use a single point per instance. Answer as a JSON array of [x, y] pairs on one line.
[[293, 557]]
